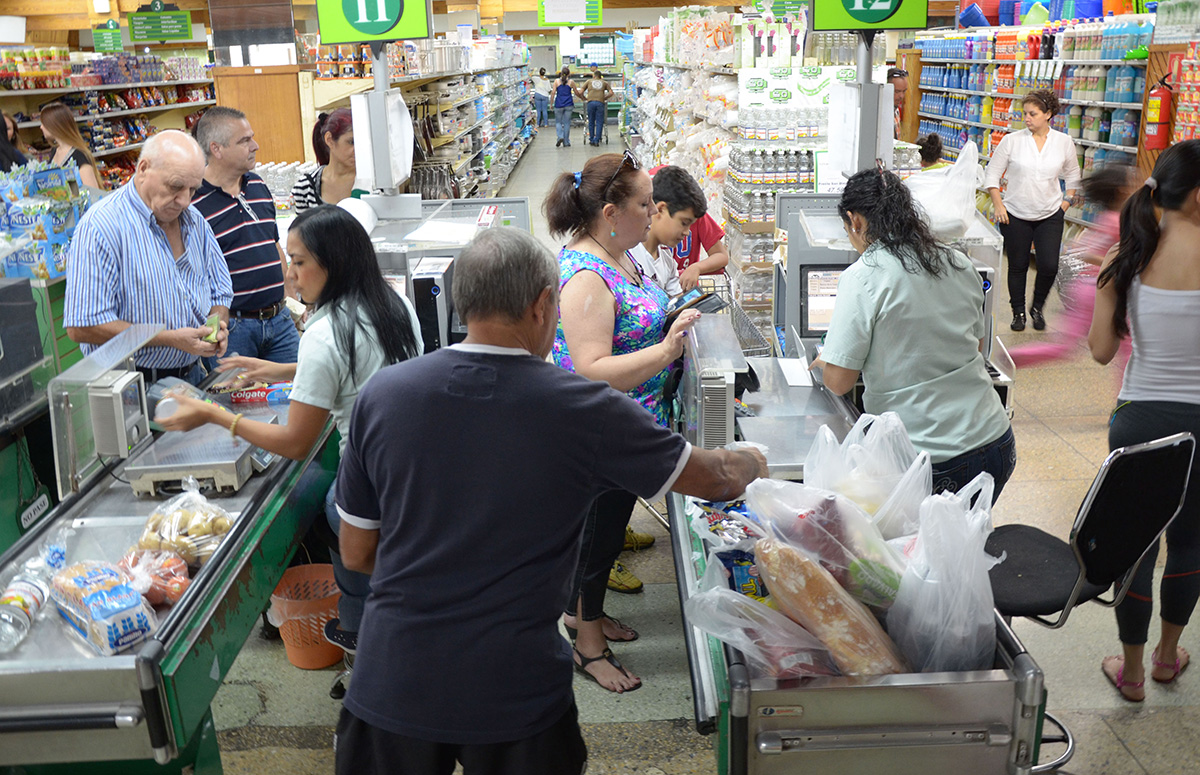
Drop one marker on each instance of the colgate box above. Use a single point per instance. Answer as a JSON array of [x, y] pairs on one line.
[[277, 393]]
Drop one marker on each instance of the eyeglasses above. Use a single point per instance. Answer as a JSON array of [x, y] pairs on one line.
[[627, 158]]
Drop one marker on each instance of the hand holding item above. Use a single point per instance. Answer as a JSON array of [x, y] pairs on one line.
[[678, 332], [189, 413], [192, 340], [255, 369], [760, 460], [690, 278]]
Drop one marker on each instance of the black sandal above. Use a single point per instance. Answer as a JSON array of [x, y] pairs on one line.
[[573, 632], [608, 656]]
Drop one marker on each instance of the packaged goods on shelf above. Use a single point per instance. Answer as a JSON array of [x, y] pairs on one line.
[[1187, 96]]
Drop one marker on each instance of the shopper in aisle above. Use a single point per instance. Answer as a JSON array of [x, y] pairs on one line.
[[898, 78], [459, 658], [12, 133], [909, 318], [1148, 289], [611, 330], [1031, 211], [60, 128], [9, 156], [596, 93], [678, 202], [143, 254], [541, 97], [333, 145], [240, 210], [359, 326], [701, 250], [931, 152], [564, 100]]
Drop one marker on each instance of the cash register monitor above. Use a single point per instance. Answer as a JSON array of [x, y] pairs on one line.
[[818, 293]]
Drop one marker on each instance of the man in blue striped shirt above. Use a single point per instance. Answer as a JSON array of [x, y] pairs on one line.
[[241, 212], [145, 255]]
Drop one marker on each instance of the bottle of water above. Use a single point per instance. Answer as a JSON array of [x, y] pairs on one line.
[[769, 207], [756, 208], [757, 169], [24, 596]]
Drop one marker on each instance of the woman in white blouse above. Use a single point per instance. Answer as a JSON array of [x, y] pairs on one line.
[[541, 97], [1030, 213]]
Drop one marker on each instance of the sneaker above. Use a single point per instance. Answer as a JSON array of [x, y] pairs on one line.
[[636, 541], [1018, 321], [347, 641], [621, 579], [1035, 316]]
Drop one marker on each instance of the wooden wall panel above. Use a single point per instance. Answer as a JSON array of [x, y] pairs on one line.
[[1155, 69], [910, 59], [270, 98]]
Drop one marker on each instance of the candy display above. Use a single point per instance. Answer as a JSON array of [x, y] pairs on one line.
[[49, 67]]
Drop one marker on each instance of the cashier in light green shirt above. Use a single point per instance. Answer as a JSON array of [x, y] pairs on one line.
[[909, 318]]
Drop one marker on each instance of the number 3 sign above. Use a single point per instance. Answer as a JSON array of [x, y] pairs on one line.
[[360, 21]]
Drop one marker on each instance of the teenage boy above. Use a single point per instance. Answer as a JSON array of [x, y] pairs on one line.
[[679, 202], [704, 233]]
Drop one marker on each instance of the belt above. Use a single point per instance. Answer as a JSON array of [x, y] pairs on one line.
[[266, 313], [153, 375]]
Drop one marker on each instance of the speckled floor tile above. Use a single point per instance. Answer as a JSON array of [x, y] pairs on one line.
[[1043, 456], [1067, 391], [1032, 502], [1098, 751], [258, 761], [1087, 435], [654, 565], [653, 748], [1162, 741]]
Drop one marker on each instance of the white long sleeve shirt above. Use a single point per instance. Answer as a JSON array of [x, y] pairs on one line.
[[1033, 192]]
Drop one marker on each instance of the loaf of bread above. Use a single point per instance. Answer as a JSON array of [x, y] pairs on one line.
[[811, 597], [96, 599]]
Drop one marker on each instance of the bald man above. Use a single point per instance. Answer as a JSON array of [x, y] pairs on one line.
[[145, 255]]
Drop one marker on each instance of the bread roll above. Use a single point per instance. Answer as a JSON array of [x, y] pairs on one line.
[[811, 597]]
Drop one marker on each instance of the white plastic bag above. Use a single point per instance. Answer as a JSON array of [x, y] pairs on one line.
[[868, 465], [942, 618], [946, 196], [901, 512]]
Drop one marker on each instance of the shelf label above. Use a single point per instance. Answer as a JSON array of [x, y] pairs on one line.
[[107, 37], [363, 21], [160, 24]]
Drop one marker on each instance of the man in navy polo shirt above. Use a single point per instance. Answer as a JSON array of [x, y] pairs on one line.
[[239, 208]]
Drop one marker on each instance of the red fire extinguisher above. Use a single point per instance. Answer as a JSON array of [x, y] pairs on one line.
[[1158, 116]]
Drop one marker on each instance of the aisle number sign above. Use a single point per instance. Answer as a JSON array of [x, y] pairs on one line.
[[870, 14], [160, 24], [362, 21], [107, 37]]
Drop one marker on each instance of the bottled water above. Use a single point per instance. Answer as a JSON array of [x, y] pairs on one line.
[[756, 208]]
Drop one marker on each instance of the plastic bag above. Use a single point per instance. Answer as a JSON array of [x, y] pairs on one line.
[[946, 196], [900, 514], [189, 525], [942, 618], [833, 531], [101, 605], [773, 643], [868, 465], [161, 576]]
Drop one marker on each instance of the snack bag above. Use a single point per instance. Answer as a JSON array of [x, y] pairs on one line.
[[161, 576], [188, 524], [101, 605]]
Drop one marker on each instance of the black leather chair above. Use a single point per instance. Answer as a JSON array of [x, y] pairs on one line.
[[1137, 492]]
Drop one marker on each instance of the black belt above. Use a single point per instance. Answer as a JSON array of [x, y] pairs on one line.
[[266, 313], [153, 375]]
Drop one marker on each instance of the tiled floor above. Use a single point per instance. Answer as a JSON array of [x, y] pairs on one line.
[[274, 718]]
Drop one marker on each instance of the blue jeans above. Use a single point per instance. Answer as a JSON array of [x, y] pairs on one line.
[[354, 586], [562, 120], [275, 340], [595, 110], [998, 458], [541, 104]]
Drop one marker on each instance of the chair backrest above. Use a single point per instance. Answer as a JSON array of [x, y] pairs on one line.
[[1136, 494]]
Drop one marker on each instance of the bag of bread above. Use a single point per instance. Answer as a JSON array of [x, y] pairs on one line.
[[835, 532], [189, 525], [101, 605], [810, 596], [161, 576]]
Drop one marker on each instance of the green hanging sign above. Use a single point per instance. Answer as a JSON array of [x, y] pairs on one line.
[[835, 15], [107, 37], [160, 24], [363, 21]]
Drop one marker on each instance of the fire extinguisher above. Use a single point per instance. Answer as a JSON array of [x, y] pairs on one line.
[[1158, 116]]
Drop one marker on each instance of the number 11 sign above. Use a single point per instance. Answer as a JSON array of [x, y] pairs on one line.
[[361, 21]]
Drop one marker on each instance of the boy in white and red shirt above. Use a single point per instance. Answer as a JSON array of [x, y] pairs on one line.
[[705, 233]]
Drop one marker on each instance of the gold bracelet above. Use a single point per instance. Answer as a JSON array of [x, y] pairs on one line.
[[233, 425]]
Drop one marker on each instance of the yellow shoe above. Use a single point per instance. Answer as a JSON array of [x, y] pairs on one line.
[[620, 579], [635, 541]]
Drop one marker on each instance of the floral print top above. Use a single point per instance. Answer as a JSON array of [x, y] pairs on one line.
[[641, 312]]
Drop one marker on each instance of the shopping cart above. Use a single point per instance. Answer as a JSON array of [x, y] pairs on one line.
[[579, 118]]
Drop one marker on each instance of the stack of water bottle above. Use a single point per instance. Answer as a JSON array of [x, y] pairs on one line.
[[782, 123], [281, 177], [750, 250]]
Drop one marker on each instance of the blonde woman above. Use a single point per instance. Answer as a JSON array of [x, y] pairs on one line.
[[59, 127]]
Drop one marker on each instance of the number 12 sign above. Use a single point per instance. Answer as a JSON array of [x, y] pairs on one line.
[[836, 15], [361, 21]]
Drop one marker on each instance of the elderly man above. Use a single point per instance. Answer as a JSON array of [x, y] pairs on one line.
[[144, 255], [241, 212], [459, 651], [899, 80]]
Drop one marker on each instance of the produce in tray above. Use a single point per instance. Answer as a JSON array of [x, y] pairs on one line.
[[810, 596], [101, 605], [188, 524], [161, 576]]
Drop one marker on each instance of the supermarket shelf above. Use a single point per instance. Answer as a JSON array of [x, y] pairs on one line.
[[1134, 62], [717, 70], [1112, 105], [102, 87], [1000, 95], [1107, 146], [441, 140], [963, 122], [451, 105], [138, 111], [115, 151], [966, 92], [1077, 221]]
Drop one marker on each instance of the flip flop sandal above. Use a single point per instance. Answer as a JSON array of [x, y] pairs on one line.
[[607, 656], [573, 632], [1120, 682], [1176, 668]]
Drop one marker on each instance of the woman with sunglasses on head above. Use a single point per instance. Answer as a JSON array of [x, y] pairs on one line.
[[611, 330]]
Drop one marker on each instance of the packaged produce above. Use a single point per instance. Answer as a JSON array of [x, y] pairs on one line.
[[188, 524], [811, 597], [100, 604], [161, 576]]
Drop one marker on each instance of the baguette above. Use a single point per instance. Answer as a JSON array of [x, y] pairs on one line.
[[810, 596]]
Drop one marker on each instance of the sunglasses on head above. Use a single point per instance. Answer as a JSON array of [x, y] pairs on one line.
[[896, 72], [627, 158]]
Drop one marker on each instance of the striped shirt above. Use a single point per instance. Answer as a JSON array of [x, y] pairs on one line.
[[245, 229], [306, 194], [121, 267]]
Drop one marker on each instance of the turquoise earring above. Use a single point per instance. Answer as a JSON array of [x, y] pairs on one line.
[[612, 234]]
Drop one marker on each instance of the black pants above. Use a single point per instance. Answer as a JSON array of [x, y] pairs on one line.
[[1134, 423], [1045, 237], [603, 539], [362, 749]]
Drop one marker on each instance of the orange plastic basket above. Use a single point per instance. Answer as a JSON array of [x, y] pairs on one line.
[[306, 598]]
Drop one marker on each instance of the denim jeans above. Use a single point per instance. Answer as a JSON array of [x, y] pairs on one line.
[[562, 118], [603, 540], [998, 458], [541, 104], [274, 340], [354, 586], [595, 112]]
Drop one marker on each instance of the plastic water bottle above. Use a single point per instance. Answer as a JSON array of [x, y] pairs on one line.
[[1110, 84], [756, 208], [27, 593], [1124, 84]]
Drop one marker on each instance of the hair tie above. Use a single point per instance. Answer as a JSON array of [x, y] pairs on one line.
[[1151, 183], [578, 179]]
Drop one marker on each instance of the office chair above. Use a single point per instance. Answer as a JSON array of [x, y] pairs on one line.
[[1137, 492]]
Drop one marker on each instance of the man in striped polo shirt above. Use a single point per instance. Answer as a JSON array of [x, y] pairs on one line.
[[241, 211]]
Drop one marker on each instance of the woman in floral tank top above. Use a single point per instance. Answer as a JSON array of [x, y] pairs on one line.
[[610, 329]]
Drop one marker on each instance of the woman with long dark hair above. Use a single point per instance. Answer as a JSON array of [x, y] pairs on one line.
[[9, 155], [611, 330], [909, 318], [333, 145], [359, 326], [59, 127], [1149, 289], [564, 92]]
